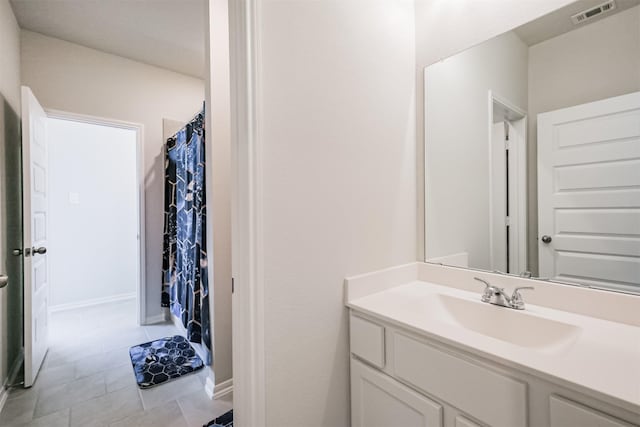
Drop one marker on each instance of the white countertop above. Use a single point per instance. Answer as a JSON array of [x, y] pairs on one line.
[[602, 360]]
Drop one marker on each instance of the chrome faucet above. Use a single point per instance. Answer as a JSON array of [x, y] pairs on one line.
[[497, 296]]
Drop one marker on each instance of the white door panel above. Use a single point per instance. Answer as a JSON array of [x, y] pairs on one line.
[[36, 275], [596, 267], [593, 244], [614, 221], [589, 192], [600, 128], [598, 176]]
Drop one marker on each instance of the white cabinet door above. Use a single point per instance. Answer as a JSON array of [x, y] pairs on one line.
[[380, 401], [565, 413]]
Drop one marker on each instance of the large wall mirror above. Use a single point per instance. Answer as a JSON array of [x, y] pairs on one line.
[[532, 150]]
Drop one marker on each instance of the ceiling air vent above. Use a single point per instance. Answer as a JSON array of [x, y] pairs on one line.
[[586, 15]]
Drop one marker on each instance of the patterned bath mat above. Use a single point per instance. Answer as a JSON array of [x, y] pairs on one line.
[[158, 361], [224, 420]]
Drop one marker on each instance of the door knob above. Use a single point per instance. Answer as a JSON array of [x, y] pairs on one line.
[[546, 239], [4, 280], [16, 252], [41, 250]]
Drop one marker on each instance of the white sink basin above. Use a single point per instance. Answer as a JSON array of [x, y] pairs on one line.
[[513, 326]]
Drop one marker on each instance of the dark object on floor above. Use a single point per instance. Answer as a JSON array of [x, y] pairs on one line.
[[162, 360], [224, 420]]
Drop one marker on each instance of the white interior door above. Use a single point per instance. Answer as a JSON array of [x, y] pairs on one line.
[[36, 283], [589, 193]]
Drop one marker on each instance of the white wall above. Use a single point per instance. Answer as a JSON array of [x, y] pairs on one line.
[[9, 136], [598, 61], [93, 212], [457, 143], [70, 77], [336, 123], [446, 27], [10, 50]]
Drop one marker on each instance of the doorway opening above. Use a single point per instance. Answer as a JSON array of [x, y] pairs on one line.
[[96, 224], [508, 181]]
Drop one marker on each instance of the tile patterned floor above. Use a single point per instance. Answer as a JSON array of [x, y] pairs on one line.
[[87, 380]]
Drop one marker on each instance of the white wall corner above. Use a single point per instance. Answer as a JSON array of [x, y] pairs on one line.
[[222, 389], [216, 391], [158, 318]]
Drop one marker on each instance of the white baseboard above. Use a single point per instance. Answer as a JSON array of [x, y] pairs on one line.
[[222, 389], [92, 302], [158, 318], [216, 391]]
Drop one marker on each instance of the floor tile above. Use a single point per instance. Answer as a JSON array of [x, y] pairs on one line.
[[87, 379], [119, 377], [123, 338], [203, 374], [18, 410], [172, 390], [106, 409], [168, 415], [101, 362], [71, 350], [55, 398], [18, 392], [198, 409], [57, 419], [56, 375], [160, 330]]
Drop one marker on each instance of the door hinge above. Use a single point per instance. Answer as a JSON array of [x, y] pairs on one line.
[[507, 146], [233, 286], [507, 221]]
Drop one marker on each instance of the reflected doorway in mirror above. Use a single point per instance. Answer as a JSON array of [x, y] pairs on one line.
[[507, 185]]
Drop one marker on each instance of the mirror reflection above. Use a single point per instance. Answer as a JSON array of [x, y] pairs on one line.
[[532, 150]]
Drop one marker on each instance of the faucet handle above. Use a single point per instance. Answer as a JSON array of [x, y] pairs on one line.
[[516, 299], [487, 289]]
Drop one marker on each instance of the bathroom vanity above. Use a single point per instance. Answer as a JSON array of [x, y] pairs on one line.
[[531, 169], [426, 351]]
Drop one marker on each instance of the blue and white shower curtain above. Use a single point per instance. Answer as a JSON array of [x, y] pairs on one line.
[[185, 288]]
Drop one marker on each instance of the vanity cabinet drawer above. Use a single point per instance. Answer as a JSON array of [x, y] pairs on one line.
[[486, 395], [380, 401], [565, 413], [367, 341]]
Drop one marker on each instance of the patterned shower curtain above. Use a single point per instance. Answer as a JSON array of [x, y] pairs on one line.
[[185, 288]]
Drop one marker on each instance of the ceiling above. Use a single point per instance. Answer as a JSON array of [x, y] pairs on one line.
[[164, 33], [559, 21]]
